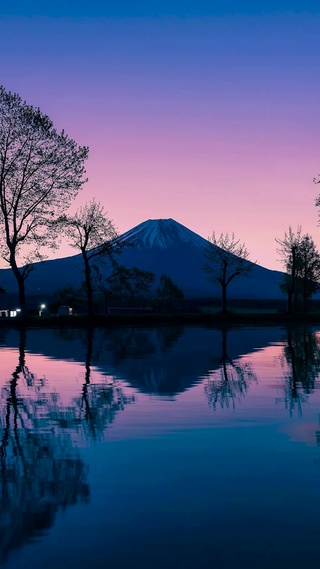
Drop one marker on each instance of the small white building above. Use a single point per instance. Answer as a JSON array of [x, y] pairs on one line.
[[5, 313]]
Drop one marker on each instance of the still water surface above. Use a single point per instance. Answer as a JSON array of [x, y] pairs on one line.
[[176, 447]]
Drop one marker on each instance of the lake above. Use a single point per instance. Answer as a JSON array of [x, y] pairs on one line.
[[176, 447]]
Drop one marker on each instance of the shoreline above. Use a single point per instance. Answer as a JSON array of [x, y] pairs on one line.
[[181, 319]]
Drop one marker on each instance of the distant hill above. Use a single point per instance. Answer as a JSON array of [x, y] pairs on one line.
[[161, 246]]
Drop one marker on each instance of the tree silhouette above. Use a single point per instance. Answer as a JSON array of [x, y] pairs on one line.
[[167, 336], [146, 359], [302, 263], [168, 292], [41, 470], [301, 353], [129, 283], [226, 259], [99, 403], [229, 383], [94, 234], [41, 171], [130, 342]]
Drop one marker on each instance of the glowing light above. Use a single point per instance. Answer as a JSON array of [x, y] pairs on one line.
[[42, 308]]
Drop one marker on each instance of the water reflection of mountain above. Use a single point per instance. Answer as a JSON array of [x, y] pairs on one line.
[[163, 360]]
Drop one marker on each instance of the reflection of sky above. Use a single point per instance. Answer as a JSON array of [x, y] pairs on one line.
[[153, 413], [64, 377], [177, 477], [173, 475], [186, 109]]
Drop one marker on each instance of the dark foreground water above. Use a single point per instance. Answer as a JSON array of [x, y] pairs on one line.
[[160, 448]]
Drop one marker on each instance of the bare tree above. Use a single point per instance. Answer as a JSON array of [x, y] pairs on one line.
[[94, 234], [41, 171], [226, 259], [301, 259]]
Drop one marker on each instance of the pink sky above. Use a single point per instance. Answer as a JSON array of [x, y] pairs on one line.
[[213, 122]]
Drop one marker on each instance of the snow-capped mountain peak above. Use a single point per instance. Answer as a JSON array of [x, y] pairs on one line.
[[161, 234]]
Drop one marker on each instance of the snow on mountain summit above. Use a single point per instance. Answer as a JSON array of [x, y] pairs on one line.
[[162, 234]]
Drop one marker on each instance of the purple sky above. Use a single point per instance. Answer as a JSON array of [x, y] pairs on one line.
[[209, 118]]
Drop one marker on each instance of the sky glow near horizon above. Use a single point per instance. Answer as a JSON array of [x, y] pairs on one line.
[[204, 116]]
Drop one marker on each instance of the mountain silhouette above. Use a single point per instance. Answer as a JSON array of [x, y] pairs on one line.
[[163, 246], [162, 360]]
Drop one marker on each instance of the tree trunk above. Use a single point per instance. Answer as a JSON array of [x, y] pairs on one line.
[[106, 303], [22, 348], [87, 271], [293, 280], [20, 280], [224, 298], [224, 283], [294, 376], [305, 293], [224, 355], [89, 353]]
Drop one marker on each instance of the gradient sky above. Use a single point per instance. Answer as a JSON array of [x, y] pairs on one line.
[[200, 111]]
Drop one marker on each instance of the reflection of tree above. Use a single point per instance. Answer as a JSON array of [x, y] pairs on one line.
[[229, 383], [144, 356], [167, 336], [130, 342], [99, 403], [301, 353], [41, 472], [138, 343]]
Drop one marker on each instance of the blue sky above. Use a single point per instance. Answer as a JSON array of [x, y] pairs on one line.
[[153, 8], [205, 112]]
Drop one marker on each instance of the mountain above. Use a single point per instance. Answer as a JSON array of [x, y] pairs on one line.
[[161, 246], [166, 246], [162, 234]]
